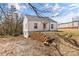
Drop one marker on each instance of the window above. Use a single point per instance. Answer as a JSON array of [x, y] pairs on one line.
[[44, 26], [35, 25], [51, 26]]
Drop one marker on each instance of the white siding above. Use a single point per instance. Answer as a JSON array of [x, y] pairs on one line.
[[25, 27], [40, 26], [76, 24], [31, 26], [54, 26], [65, 25]]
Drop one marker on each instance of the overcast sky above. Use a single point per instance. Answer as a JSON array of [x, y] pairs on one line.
[[62, 12]]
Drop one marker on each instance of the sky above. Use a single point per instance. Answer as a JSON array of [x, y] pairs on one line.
[[60, 12]]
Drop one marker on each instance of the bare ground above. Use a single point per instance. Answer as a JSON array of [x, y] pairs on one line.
[[19, 46]]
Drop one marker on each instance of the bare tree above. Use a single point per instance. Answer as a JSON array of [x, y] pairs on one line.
[[11, 23]]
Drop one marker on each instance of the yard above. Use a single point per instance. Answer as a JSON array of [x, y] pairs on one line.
[[74, 32], [20, 46]]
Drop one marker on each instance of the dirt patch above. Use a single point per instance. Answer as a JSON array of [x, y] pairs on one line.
[[19, 46]]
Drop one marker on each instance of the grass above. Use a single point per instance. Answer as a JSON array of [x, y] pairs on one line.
[[74, 32]]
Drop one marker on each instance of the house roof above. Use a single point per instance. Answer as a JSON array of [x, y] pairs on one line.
[[35, 18]]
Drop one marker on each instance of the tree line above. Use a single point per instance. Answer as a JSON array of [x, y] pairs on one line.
[[10, 22]]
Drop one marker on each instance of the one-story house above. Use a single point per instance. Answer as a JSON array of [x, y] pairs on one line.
[[34, 23], [69, 25]]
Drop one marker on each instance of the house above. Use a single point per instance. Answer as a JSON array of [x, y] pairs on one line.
[[69, 25], [74, 24], [34, 23]]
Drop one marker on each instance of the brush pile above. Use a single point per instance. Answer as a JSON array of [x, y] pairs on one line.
[[39, 36], [46, 39]]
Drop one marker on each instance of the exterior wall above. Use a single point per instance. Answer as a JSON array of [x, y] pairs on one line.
[[47, 27], [31, 26], [68, 25], [25, 27], [76, 24], [54, 26], [40, 26]]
